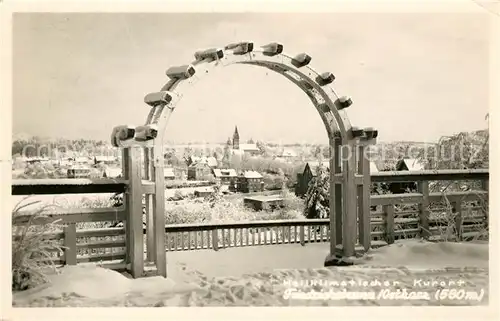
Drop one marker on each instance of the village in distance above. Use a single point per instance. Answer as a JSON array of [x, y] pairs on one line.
[[238, 165]]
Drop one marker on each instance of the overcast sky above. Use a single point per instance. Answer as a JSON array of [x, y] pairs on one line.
[[413, 76]]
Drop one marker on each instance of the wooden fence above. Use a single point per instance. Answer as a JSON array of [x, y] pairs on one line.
[[82, 244], [434, 216]]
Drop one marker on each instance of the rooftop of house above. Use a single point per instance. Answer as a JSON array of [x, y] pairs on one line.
[[326, 164], [412, 164], [224, 172], [210, 160], [251, 174], [315, 164]]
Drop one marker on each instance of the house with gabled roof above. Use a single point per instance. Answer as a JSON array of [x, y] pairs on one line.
[[250, 181], [311, 170], [199, 171], [409, 164], [210, 160], [226, 176], [406, 164], [287, 155]]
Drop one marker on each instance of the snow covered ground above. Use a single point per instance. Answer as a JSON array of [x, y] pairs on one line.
[[261, 276]]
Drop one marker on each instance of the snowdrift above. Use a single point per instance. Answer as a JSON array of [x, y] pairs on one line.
[[405, 261]]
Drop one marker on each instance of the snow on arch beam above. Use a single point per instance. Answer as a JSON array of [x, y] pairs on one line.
[[330, 106]]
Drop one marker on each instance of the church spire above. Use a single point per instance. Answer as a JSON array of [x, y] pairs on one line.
[[236, 138]]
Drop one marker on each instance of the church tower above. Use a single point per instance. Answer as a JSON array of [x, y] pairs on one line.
[[236, 138]]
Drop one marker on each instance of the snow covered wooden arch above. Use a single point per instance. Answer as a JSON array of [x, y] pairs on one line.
[[347, 143]]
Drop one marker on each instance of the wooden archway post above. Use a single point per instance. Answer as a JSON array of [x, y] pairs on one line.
[[318, 87], [147, 163], [132, 200], [349, 201]]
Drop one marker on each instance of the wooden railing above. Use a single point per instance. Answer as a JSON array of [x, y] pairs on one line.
[[397, 216], [387, 225], [81, 243]]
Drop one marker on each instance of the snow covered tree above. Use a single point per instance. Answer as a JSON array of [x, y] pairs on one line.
[[317, 196], [226, 157]]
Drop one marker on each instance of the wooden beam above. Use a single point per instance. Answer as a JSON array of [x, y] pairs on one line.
[[159, 210], [364, 228], [339, 198], [407, 198], [332, 199], [430, 175], [462, 196], [70, 244], [389, 223], [133, 204], [423, 188], [350, 200], [150, 241], [457, 206], [67, 186], [73, 216]]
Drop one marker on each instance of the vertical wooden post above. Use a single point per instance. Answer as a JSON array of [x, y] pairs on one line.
[[70, 244], [339, 200], [125, 170], [350, 196], [150, 239], [423, 188], [486, 187], [133, 200], [302, 232], [389, 223], [485, 184], [457, 206], [159, 210], [364, 228], [215, 239], [332, 200]]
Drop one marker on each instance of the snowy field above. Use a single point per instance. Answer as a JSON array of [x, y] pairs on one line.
[[261, 276]]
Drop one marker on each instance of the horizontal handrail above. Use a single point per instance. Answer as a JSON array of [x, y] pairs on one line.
[[250, 224], [67, 186], [74, 216], [415, 198], [430, 175]]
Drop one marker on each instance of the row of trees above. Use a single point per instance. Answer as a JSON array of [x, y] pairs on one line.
[[37, 146]]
